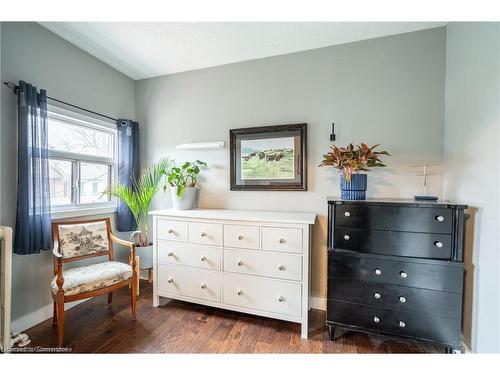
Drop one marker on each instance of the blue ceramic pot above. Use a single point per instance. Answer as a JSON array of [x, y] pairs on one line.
[[355, 190]]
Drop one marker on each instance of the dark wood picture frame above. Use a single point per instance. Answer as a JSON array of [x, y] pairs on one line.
[[299, 131]]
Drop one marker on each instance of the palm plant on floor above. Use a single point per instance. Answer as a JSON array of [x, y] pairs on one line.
[[138, 197]]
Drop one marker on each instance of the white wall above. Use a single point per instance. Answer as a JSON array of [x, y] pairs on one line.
[[472, 160], [388, 90], [34, 54]]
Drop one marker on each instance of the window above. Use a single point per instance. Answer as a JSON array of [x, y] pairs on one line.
[[82, 160]]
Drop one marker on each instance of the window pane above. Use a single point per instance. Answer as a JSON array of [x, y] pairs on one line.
[[79, 139], [94, 178], [60, 182]]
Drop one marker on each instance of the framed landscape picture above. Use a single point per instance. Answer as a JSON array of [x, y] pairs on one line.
[[269, 157]]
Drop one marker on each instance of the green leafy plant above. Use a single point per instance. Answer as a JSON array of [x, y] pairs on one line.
[[184, 176], [138, 197], [353, 159]]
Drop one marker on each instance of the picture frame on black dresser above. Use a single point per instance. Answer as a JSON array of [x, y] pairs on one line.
[[269, 157]]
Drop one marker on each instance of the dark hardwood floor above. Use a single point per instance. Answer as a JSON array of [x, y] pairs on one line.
[[179, 327]]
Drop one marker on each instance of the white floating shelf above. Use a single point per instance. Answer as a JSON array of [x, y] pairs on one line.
[[199, 146]]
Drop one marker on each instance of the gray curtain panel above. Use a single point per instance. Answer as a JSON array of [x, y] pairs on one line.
[[32, 232], [128, 168]]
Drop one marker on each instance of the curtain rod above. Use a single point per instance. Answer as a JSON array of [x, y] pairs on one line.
[[14, 87]]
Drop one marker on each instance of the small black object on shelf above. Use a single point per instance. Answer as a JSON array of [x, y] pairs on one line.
[[332, 136], [425, 198]]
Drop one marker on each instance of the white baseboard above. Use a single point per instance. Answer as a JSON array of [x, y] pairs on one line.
[[317, 303], [33, 318]]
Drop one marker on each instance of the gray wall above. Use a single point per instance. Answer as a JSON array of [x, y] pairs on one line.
[[32, 53], [388, 90], [472, 156]]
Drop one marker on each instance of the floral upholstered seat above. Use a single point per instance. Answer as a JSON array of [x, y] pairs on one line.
[[92, 277]]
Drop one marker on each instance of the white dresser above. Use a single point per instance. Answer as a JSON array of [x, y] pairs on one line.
[[255, 262]]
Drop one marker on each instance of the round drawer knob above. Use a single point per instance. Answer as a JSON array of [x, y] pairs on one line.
[[239, 292], [170, 231], [438, 244], [281, 267], [402, 299], [203, 234], [240, 263], [171, 254], [402, 324], [170, 280], [376, 319], [281, 299], [377, 271], [203, 258], [403, 274], [203, 286], [440, 218], [347, 213], [377, 295], [282, 240], [240, 237], [346, 237]]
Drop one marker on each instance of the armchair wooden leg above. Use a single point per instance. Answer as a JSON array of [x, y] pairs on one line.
[[54, 315], [60, 319], [133, 296], [110, 298]]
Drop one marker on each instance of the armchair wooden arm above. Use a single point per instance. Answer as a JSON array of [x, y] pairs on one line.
[[55, 250], [58, 266], [128, 244]]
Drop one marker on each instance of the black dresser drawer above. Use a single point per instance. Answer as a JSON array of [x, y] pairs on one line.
[[418, 325], [396, 297], [417, 273], [409, 219], [407, 244]]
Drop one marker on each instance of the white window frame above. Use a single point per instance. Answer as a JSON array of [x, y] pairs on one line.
[[76, 208]]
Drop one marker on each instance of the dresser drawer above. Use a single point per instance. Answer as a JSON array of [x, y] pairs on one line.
[[262, 294], [281, 266], [242, 236], [205, 233], [189, 255], [396, 297], [418, 245], [172, 230], [189, 282], [410, 219], [427, 274], [282, 239], [423, 326]]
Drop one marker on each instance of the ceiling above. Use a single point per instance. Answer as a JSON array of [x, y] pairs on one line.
[[149, 49]]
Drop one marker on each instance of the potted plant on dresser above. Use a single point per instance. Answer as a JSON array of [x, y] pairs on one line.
[[352, 160], [183, 182], [138, 198]]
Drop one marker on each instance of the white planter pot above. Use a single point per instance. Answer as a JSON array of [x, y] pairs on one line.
[[145, 254], [189, 199]]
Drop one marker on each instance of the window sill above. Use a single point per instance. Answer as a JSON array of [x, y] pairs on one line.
[[82, 211]]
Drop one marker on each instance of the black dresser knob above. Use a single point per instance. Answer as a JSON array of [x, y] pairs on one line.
[[377, 271], [440, 218], [403, 274]]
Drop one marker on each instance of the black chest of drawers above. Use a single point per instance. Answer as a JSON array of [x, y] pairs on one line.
[[395, 267]]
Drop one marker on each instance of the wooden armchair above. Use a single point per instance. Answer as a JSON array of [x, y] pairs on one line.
[[77, 240]]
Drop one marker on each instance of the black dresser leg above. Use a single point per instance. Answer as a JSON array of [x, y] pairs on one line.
[[331, 332]]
